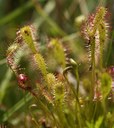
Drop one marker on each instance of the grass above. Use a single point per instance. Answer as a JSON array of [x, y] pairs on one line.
[[60, 90]]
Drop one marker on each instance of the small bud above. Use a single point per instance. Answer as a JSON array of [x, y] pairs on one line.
[[73, 63], [22, 79], [79, 20]]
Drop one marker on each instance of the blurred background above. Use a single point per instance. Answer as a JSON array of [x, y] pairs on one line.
[[51, 18]]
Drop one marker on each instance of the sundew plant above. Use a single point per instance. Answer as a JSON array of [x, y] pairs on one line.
[[63, 91]]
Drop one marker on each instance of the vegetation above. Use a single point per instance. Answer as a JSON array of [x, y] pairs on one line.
[[56, 79]]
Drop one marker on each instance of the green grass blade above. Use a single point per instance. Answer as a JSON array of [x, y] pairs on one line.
[[15, 13], [16, 107]]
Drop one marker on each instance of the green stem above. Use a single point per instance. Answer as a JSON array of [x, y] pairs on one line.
[[77, 78], [101, 57], [33, 118], [46, 110], [62, 119], [95, 110], [77, 104], [79, 116], [93, 66], [71, 87]]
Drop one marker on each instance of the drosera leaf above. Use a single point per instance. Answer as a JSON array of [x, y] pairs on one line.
[[28, 37], [41, 64], [12, 48], [95, 31], [58, 51], [51, 80], [11, 57]]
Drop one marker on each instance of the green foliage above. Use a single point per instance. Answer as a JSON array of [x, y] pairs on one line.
[[63, 93], [41, 64], [106, 84], [58, 51], [97, 124], [95, 32], [28, 38]]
